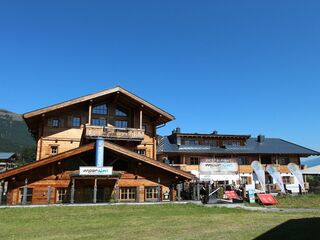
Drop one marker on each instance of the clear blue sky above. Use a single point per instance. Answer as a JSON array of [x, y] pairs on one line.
[[243, 67]]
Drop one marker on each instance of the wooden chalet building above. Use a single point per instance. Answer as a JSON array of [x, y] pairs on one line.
[[185, 151], [68, 134]]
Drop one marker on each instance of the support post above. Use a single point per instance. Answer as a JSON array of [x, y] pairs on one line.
[[73, 182], [159, 190], [25, 192], [49, 194], [116, 196], [90, 111], [198, 191], [140, 124], [179, 191], [95, 191], [159, 193], [194, 197], [1, 191], [138, 194]]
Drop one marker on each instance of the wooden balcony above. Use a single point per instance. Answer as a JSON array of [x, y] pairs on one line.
[[112, 133]]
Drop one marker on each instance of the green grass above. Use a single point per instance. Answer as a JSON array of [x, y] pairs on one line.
[[300, 201], [168, 221]]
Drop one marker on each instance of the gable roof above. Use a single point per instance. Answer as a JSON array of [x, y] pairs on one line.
[[269, 146], [89, 97], [6, 155], [111, 146]]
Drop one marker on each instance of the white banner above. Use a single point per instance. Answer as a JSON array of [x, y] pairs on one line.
[[295, 170], [222, 166], [275, 174], [258, 169], [95, 171], [210, 167]]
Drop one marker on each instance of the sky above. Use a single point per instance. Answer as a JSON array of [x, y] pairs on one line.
[[238, 67]]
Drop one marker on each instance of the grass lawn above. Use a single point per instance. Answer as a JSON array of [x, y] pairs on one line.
[[300, 201], [167, 221]]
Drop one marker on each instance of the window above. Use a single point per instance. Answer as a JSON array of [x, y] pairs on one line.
[[243, 161], [191, 142], [284, 161], [54, 150], [121, 124], [100, 109], [194, 161], [287, 180], [55, 123], [140, 151], [61, 195], [246, 180], [209, 142], [76, 122], [152, 193], [28, 195], [120, 113], [99, 122], [231, 143], [128, 193]]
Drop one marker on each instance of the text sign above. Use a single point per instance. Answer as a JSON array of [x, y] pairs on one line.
[[218, 166], [267, 199], [95, 171]]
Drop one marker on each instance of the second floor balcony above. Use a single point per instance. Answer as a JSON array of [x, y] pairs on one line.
[[112, 133]]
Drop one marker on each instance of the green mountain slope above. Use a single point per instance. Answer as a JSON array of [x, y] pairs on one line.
[[14, 135]]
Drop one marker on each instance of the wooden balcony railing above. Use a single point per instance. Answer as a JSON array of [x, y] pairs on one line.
[[112, 133]]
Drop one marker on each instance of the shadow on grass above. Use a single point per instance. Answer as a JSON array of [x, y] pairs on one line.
[[305, 228]]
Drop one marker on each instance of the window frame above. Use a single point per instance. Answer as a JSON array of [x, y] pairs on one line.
[[120, 112], [54, 147], [121, 121], [63, 195], [126, 193], [194, 161], [72, 122], [154, 193], [29, 195], [100, 109], [57, 121]]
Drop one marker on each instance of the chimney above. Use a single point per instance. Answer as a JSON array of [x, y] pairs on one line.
[[178, 130], [261, 138]]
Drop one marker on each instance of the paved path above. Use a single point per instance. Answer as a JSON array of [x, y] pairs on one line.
[[234, 206]]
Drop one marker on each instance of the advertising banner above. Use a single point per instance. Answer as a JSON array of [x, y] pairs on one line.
[[259, 170], [275, 174], [212, 166], [95, 171], [295, 170]]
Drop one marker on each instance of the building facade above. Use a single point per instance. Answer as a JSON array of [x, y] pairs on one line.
[[7, 161], [68, 135], [231, 157]]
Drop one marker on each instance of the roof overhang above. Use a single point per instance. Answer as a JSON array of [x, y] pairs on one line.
[[113, 147]]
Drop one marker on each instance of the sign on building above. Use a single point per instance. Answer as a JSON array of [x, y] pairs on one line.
[[95, 171], [213, 166]]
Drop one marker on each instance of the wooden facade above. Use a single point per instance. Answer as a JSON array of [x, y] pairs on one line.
[[66, 136]]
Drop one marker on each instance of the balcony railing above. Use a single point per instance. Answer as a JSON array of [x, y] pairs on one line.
[[112, 133]]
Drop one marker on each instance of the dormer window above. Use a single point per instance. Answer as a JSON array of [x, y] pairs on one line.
[[191, 142], [100, 109], [231, 143], [121, 113]]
